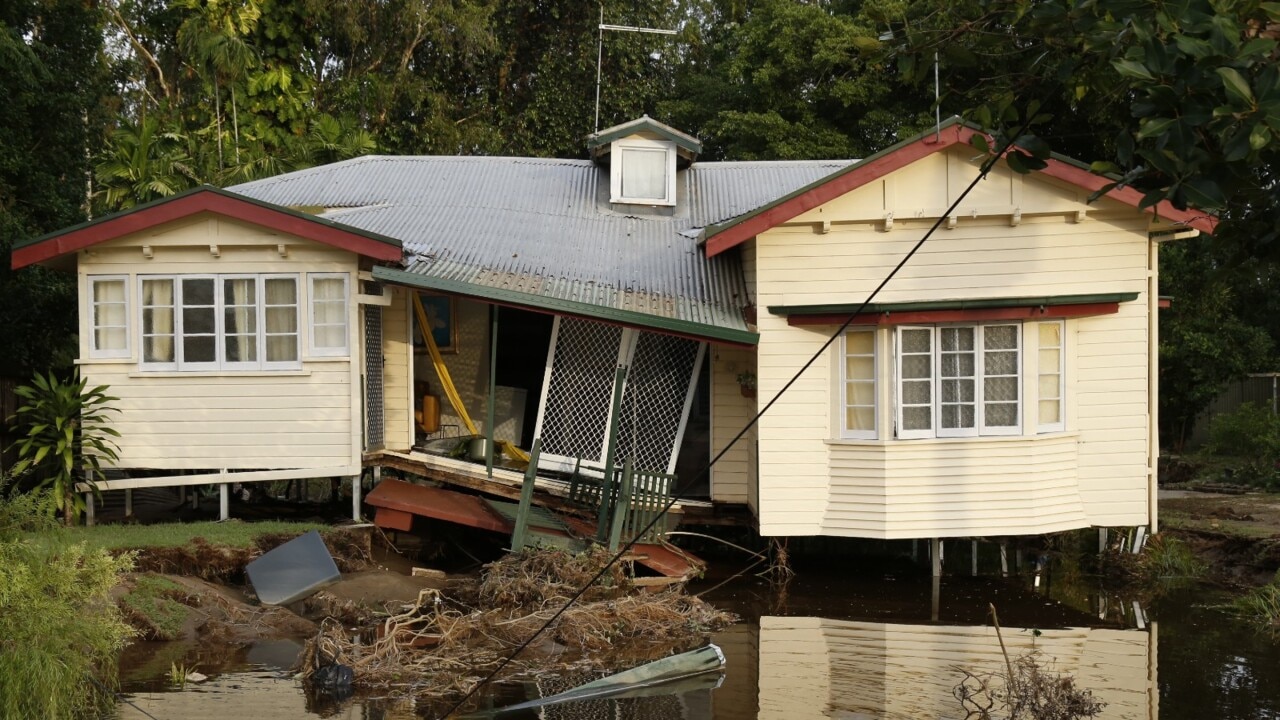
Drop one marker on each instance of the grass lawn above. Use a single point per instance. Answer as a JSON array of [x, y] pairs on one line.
[[231, 533]]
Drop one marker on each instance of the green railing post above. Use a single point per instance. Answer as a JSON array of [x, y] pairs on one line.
[[526, 498], [622, 507], [607, 497]]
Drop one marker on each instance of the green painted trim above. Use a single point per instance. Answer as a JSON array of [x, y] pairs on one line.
[[393, 242], [571, 307], [980, 304], [646, 123], [717, 228]]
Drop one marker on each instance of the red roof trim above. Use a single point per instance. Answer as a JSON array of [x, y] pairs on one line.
[[854, 178], [1049, 312], [205, 200], [863, 173], [1089, 181]]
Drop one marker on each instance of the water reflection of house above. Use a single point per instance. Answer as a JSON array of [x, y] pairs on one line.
[[1004, 384], [812, 667]]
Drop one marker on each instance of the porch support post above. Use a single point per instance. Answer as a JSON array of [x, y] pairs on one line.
[[224, 501], [935, 554], [493, 389], [974, 556], [355, 497], [128, 503], [1004, 559], [610, 483]]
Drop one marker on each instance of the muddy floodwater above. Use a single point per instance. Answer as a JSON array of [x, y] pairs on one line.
[[833, 646]]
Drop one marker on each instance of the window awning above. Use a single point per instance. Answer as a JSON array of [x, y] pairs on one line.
[[970, 310]]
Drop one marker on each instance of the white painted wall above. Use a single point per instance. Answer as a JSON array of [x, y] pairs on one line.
[[811, 484]]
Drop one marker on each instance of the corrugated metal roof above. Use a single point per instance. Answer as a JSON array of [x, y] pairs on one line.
[[544, 230]]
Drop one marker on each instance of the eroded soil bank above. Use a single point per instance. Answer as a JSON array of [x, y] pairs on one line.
[[407, 632]]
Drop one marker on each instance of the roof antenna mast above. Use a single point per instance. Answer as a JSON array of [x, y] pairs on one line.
[[600, 51], [937, 96]]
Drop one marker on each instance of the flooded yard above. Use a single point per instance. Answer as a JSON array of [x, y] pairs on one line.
[[831, 646]]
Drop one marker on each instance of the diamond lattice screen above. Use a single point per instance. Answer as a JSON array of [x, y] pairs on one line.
[[373, 376], [580, 389], [653, 404]]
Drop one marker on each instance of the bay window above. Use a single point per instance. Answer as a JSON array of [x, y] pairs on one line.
[[951, 380]]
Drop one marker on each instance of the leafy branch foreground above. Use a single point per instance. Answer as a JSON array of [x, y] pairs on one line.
[[442, 646]]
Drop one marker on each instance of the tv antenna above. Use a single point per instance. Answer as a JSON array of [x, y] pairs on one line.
[[600, 50]]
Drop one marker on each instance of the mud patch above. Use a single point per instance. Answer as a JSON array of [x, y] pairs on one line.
[[173, 607], [351, 549]]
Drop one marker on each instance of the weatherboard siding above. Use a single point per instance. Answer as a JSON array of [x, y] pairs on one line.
[[1094, 473], [238, 420]]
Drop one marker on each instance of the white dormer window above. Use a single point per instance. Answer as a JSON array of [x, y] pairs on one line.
[[643, 172]]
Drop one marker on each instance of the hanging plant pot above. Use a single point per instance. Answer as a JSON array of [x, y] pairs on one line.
[[747, 392]]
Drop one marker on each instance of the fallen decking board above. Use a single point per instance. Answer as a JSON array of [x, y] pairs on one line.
[[400, 497], [437, 503]]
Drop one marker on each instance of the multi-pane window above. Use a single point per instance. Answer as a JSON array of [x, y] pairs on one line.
[[109, 310], [220, 322], [958, 380], [859, 391], [1052, 361], [329, 314]]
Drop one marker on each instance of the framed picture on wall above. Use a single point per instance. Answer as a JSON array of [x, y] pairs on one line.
[[442, 317]]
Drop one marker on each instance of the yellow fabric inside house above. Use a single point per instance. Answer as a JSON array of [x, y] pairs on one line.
[[450, 391]]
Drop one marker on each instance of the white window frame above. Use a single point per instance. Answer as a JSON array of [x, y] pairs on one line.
[[221, 332], [1061, 424], [220, 363], [980, 429], [143, 363], [845, 432], [898, 378], [313, 350], [619, 148], [179, 321], [980, 391], [94, 351], [298, 324]]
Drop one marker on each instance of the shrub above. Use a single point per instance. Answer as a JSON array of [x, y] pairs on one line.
[[61, 631], [1251, 431], [64, 436], [1166, 558], [1261, 606]]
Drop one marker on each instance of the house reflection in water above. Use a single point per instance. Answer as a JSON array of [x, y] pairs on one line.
[[795, 668]]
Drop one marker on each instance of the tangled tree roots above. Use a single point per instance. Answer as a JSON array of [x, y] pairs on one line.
[[440, 647]]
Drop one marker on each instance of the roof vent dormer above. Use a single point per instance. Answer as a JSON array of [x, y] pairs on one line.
[[643, 156]]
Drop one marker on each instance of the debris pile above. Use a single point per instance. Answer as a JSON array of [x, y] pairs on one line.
[[441, 645]]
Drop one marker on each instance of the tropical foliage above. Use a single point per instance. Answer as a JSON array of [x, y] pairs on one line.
[[64, 437]]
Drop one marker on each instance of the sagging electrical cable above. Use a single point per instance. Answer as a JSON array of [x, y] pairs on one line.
[[983, 170]]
